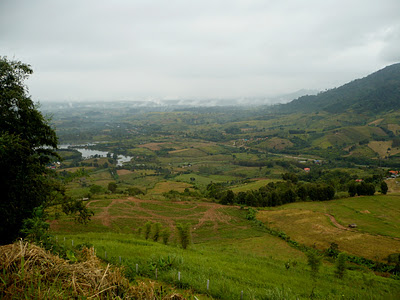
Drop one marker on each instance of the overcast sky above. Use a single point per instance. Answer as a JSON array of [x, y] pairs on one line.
[[144, 49]]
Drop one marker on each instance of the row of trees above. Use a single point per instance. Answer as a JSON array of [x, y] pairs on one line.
[[365, 188], [292, 190], [273, 194], [155, 231]]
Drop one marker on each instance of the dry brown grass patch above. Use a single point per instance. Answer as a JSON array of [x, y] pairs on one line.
[[28, 271], [152, 146], [320, 230], [123, 172]]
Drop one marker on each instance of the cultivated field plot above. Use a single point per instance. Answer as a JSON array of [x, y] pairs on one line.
[[383, 148], [166, 186], [320, 223], [255, 184], [210, 221]]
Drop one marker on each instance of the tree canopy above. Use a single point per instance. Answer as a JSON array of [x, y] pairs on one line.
[[27, 146]]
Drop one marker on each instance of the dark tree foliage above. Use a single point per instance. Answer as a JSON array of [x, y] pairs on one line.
[[290, 176], [184, 234], [396, 142], [384, 188], [273, 194], [365, 189], [228, 197], [112, 187], [361, 189], [27, 146], [352, 189], [341, 265]]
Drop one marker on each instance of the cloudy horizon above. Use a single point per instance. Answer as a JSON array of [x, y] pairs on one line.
[[138, 50]]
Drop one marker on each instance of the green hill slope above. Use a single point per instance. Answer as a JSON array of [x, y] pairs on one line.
[[375, 93]]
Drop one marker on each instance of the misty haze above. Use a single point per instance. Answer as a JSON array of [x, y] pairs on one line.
[[200, 150]]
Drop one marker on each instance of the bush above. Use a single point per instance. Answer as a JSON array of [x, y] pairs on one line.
[[333, 250], [112, 187], [384, 188], [340, 265], [157, 229], [184, 234], [147, 230], [314, 261], [133, 191], [36, 228], [96, 189], [165, 234]]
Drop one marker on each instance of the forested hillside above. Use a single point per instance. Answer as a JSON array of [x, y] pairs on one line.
[[373, 94]]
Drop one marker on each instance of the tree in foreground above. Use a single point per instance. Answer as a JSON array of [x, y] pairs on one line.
[[27, 146], [184, 234], [341, 265], [147, 229], [314, 261], [157, 231], [165, 234], [384, 188]]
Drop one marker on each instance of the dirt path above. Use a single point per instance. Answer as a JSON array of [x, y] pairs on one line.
[[336, 223], [105, 214], [319, 229]]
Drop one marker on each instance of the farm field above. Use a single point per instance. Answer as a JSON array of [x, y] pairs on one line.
[[230, 270], [184, 165], [321, 223], [231, 252]]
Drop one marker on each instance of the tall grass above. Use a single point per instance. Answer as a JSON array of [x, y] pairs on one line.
[[231, 271]]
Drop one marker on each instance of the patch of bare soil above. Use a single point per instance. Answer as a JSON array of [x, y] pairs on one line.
[[213, 215], [393, 185], [333, 220], [336, 223], [123, 172], [152, 146]]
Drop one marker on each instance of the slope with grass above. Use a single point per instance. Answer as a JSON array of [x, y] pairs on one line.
[[376, 236], [230, 270], [230, 252], [375, 93]]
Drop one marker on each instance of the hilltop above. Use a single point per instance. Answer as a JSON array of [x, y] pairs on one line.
[[378, 92]]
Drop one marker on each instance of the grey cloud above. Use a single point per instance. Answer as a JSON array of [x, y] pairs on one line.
[[127, 49]]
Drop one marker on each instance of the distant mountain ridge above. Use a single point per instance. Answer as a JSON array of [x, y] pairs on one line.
[[377, 92]]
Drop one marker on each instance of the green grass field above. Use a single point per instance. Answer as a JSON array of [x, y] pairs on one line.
[[231, 269], [378, 227], [254, 185], [228, 250]]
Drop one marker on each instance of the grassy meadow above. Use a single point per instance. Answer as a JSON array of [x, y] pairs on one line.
[[234, 254], [378, 228]]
